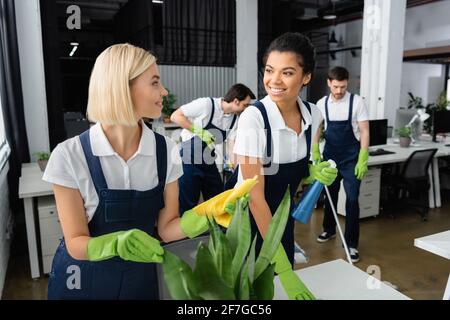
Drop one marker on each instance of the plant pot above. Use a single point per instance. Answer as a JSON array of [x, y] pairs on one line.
[[42, 164], [405, 142]]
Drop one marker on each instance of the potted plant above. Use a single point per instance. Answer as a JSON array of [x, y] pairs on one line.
[[404, 136], [226, 268], [42, 159], [168, 106]]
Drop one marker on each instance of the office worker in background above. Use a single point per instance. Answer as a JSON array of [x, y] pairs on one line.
[[206, 122], [347, 143], [274, 137]]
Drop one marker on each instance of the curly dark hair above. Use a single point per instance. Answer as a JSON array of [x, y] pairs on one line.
[[297, 43]]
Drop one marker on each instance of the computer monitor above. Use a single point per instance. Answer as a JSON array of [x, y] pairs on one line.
[[441, 122], [378, 132], [402, 118]]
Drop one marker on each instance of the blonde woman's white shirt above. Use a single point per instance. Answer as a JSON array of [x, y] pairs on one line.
[[199, 112], [338, 111], [288, 146], [67, 166]]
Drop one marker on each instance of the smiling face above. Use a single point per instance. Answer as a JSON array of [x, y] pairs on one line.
[[147, 93], [284, 77]]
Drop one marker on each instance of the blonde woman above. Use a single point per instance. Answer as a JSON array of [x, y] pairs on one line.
[[113, 184]]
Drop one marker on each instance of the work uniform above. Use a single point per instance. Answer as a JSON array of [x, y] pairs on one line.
[[117, 196], [199, 161], [262, 133], [342, 145]]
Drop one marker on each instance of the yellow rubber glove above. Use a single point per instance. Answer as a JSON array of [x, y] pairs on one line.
[[194, 221], [361, 166], [293, 286], [316, 153], [206, 136], [132, 245]]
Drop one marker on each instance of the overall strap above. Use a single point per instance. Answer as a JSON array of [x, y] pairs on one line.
[[93, 162], [161, 158], [233, 122], [308, 132], [212, 112], [327, 116], [258, 104], [350, 109]]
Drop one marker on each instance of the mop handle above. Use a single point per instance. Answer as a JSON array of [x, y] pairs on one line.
[[338, 225]]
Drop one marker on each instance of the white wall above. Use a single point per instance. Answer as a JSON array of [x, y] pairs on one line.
[[247, 43], [349, 35], [28, 21], [425, 26]]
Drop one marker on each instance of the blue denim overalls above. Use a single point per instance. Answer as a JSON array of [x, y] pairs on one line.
[[118, 210], [342, 147], [275, 185]]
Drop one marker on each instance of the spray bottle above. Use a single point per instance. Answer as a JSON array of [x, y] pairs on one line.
[[305, 207]]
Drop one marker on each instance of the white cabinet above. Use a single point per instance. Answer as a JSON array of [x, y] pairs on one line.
[[369, 195], [50, 230]]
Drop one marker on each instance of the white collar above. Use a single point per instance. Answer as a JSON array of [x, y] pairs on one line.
[[101, 146], [345, 98], [276, 119]]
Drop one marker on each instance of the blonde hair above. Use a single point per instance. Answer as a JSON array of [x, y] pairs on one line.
[[109, 99]]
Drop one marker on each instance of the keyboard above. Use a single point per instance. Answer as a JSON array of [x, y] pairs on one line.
[[380, 152]]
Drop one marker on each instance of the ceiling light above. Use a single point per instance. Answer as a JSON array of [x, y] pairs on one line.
[[329, 16], [73, 51], [158, 1]]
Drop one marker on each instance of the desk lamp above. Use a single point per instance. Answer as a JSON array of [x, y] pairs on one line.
[[422, 116]]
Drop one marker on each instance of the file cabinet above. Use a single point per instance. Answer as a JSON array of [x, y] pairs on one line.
[[369, 195], [50, 230]]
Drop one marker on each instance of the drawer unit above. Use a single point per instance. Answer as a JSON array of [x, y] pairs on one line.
[[369, 195], [50, 230]]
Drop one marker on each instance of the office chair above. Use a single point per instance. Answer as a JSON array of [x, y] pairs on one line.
[[409, 185], [186, 250]]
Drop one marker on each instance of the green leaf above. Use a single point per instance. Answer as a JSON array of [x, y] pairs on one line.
[[263, 286], [178, 277], [238, 236], [206, 280], [274, 234], [222, 254], [244, 286], [251, 260]]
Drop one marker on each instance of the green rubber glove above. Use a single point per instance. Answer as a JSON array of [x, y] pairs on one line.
[[293, 286], [132, 245], [321, 172], [316, 153], [206, 136], [193, 224], [361, 166]]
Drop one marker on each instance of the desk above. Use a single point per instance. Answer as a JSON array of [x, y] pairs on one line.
[[439, 244], [338, 280], [400, 155], [31, 186]]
